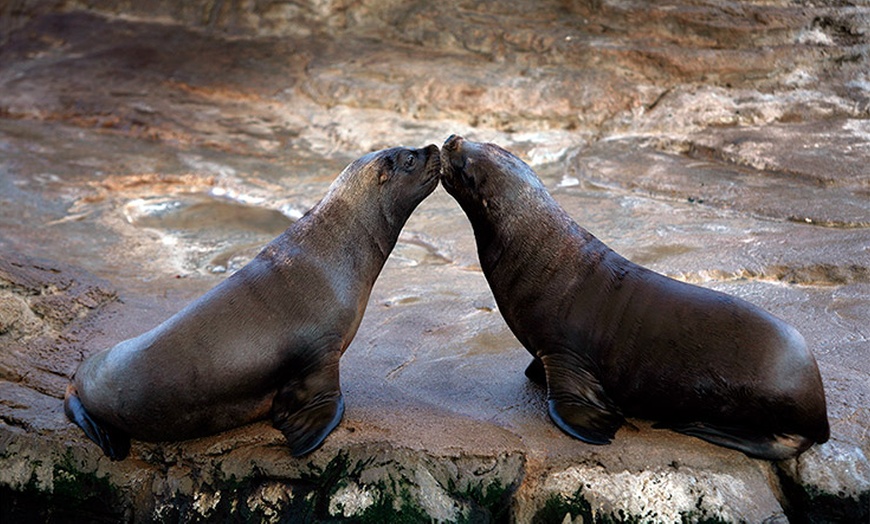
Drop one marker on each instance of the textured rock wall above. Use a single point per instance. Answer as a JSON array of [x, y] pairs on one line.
[[158, 144]]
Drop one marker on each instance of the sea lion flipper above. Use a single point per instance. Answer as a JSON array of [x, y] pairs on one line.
[[306, 427], [307, 409], [578, 404], [114, 443], [582, 421], [753, 443], [536, 373]]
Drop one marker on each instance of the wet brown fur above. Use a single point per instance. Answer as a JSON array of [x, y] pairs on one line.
[[266, 342], [611, 338]]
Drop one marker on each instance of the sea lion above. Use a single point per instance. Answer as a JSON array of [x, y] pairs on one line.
[[266, 341], [612, 339]]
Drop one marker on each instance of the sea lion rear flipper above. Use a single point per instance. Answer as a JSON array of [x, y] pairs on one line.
[[114, 443], [307, 408], [753, 443], [578, 404]]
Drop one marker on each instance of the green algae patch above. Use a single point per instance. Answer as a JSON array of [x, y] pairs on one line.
[[401, 509], [339, 495], [328, 494], [484, 502], [75, 495], [808, 505], [558, 507]]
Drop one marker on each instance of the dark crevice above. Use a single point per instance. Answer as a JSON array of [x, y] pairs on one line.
[[806, 506]]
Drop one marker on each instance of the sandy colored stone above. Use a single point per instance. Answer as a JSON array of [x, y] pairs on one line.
[[148, 149]]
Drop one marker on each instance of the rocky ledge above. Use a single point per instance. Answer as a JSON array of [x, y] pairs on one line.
[[150, 148]]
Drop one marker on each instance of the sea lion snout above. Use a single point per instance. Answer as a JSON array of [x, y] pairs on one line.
[[452, 153], [453, 142], [453, 160], [432, 150], [433, 159]]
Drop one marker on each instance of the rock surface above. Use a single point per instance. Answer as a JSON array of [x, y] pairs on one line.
[[148, 149]]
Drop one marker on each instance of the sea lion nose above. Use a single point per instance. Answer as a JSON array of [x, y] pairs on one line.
[[453, 142], [431, 150]]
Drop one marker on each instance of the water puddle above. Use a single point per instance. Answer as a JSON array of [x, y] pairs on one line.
[[212, 233], [649, 255], [201, 212], [412, 250], [492, 341]]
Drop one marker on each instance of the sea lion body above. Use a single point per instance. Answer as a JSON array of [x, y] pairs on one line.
[[266, 341], [611, 338]]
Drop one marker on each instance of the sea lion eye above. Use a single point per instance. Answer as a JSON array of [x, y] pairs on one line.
[[409, 160]]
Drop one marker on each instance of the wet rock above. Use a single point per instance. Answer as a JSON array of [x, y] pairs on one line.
[[672, 495], [159, 144], [829, 483], [46, 307], [179, 486], [351, 501], [772, 191]]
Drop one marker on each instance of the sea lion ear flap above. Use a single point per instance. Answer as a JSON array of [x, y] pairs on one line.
[[385, 169]]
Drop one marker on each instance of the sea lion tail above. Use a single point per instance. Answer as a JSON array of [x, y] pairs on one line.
[[114, 443]]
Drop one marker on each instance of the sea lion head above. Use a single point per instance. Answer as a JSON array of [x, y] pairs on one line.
[[484, 178], [501, 195], [392, 182]]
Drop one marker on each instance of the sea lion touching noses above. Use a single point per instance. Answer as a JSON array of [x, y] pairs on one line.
[[266, 341], [611, 338]]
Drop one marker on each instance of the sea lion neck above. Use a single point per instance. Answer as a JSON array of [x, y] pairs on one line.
[[507, 204], [336, 222], [521, 226]]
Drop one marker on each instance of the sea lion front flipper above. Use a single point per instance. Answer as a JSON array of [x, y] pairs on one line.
[[536, 372], [307, 408], [114, 443], [577, 402], [753, 443]]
